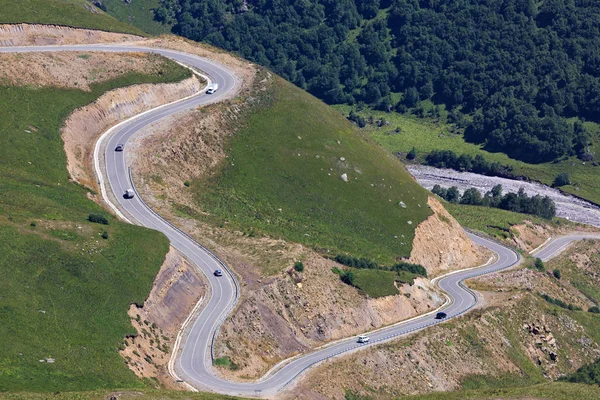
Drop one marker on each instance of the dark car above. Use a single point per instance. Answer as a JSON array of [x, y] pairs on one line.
[[218, 272], [120, 147], [440, 315]]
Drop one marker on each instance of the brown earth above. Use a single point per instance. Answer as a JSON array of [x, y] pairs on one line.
[[176, 290], [441, 245], [493, 343], [74, 69], [85, 125], [41, 35], [486, 342]]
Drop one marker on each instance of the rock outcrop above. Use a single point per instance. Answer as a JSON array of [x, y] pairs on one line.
[[441, 245]]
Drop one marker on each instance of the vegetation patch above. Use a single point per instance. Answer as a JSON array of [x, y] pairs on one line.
[[64, 292], [520, 202], [298, 170], [74, 13], [137, 13]]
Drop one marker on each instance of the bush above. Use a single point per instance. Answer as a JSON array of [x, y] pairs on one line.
[[412, 154], [412, 268], [299, 266], [98, 218], [556, 273], [539, 265], [187, 183], [347, 277], [594, 310], [562, 179], [104, 235], [560, 303]]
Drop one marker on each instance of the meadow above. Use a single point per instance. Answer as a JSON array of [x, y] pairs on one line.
[[284, 177], [74, 13], [67, 283]]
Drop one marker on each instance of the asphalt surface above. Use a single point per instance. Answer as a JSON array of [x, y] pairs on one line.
[[194, 363]]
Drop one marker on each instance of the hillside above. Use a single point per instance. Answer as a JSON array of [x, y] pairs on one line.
[[67, 282], [533, 329], [74, 13], [439, 73]]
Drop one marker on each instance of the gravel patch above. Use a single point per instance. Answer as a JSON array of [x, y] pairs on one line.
[[568, 207]]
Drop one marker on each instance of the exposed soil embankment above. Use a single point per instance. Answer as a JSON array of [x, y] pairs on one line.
[[441, 245], [41, 35], [74, 70], [85, 125], [520, 337], [177, 288]]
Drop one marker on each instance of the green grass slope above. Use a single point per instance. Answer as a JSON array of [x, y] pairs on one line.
[[74, 13], [426, 134], [138, 13], [283, 177], [65, 289]]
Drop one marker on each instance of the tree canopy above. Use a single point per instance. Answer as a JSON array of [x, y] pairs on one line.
[[519, 68]]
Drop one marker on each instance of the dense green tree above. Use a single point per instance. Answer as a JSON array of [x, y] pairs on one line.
[[512, 72]]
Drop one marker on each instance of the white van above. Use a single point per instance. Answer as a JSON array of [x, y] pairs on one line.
[[129, 194], [213, 87], [363, 339]]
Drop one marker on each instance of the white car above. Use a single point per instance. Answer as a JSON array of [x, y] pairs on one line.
[[363, 339], [212, 88], [129, 194]]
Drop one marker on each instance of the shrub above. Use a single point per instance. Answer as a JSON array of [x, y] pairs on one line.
[[539, 265], [412, 154], [562, 179], [594, 310], [299, 266], [412, 268], [556, 273], [33, 224], [98, 218], [104, 235], [187, 183], [347, 277]]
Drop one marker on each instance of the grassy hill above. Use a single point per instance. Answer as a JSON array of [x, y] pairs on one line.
[[66, 282], [74, 13], [284, 177], [137, 13], [406, 131]]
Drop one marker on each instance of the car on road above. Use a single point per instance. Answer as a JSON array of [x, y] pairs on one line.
[[120, 147], [218, 272], [213, 87], [441, 315], [363, 339], [129, 194]]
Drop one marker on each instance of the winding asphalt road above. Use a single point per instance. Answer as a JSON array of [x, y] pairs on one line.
[[194, 364]]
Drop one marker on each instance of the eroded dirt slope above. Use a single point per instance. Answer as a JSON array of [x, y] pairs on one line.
[[75, 70], [41, 35], [441, 245], [176, 290]]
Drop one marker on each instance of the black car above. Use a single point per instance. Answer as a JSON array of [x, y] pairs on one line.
[[440, 315], [218, 272], [120, 147]]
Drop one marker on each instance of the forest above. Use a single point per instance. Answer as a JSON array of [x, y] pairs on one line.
[[512, 73]]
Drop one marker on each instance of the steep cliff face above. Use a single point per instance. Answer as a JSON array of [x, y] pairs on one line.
[[441, 245]]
